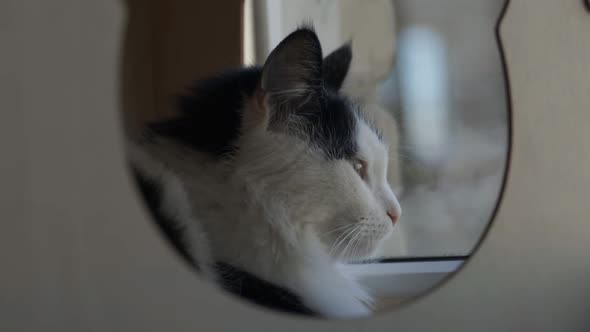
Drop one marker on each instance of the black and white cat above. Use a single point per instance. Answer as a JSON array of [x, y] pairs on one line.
[[269, 178]]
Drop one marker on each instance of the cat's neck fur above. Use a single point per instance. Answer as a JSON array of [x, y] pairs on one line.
[[247, 228]]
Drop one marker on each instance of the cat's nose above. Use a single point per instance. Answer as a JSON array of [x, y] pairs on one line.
[[393, 215]]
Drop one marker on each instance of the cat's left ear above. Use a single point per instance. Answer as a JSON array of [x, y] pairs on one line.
[[336, 66], [292, 73]]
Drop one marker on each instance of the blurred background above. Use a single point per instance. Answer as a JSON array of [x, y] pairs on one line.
[[430, 72]]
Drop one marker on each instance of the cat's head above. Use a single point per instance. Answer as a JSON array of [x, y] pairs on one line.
[[309, 156]]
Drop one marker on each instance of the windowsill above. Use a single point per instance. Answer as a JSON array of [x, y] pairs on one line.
[[403, 280]]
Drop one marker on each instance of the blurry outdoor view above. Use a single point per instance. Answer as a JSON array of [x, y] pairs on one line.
[[431, 72]]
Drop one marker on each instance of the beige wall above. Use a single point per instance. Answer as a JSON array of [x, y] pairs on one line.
[[78, 252]]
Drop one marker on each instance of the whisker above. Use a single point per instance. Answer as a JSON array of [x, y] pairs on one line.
[[351, 240], [358, 233], [348, 232], [344, 234], [358, 245], [336, 229]]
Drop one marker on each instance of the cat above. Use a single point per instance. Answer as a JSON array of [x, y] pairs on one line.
[[269, 179]]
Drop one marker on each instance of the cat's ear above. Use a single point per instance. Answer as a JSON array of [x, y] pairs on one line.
[[336, 66], [293, 70]]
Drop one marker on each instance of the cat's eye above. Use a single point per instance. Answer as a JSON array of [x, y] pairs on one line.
[[360, 166]]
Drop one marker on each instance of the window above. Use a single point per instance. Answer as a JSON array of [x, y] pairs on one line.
[[435, 68]]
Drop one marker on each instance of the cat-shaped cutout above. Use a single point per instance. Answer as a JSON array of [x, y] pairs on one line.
[[269, 179]]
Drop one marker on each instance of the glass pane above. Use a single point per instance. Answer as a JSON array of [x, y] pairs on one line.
[[452, 109]]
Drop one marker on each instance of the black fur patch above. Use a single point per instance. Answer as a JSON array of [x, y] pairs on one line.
[[336, 66], [152, 193], [261, 292], [210, 112], [210, 117]]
